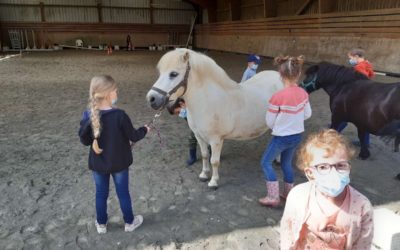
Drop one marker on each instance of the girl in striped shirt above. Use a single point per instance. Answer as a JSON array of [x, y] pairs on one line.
[[287, 110]]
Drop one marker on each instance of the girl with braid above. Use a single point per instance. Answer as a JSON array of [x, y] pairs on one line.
[[109, 133], [287, 110]]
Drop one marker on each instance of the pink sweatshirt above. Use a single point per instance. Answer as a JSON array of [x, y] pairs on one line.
[[287, 110], [359, 218]]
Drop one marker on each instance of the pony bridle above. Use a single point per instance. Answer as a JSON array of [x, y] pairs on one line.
[[182, 83], [311, 85]]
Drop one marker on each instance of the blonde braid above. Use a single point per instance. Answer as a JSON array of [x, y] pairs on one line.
[[95, 121], [100, 87]]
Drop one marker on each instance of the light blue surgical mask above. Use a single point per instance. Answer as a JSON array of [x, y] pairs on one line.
[[254, 66], [352, 62], [331, 184], [113, 102], [183, 113]]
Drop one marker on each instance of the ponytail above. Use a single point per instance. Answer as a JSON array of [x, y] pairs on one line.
[[289, 67]]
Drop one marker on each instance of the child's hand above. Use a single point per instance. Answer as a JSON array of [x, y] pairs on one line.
[[147, 127]]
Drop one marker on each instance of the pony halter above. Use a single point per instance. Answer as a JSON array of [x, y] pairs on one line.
[[311, 85], [183, 84]]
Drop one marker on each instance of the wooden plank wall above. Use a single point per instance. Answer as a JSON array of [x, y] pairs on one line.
[[319, 37], [374, 23], [253, 9], [156, 22]]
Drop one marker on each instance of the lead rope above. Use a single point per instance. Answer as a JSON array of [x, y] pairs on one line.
[[152, 125]]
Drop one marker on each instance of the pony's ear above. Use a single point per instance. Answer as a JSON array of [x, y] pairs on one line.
[[186, 56]]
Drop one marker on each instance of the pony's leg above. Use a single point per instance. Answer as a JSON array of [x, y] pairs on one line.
[[336, 124], [216, 148], [396, 143], [364, 152], [205, 156]]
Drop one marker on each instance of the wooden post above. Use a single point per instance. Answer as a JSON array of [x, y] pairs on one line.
[[304, 6], [1, 37], [42, 14], [326, 6], [270, 8], [151, 12], [235, 9], [99, 12]]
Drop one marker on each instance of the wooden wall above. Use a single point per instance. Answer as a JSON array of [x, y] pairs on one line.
[[319, 37], [97, 21], [255, 9]]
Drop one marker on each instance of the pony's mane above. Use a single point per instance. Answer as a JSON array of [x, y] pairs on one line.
[[340, 73], [202, 64]]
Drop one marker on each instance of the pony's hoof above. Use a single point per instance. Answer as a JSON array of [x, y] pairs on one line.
[[363, 156], [398, 177], [204, 179], [213, 184]]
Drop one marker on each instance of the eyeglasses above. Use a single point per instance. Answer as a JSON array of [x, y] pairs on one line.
[[325, 168]]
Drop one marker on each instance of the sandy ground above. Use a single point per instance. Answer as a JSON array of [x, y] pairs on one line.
[[47, 192]]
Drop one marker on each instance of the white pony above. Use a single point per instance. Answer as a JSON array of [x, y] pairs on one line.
[[218, 108]]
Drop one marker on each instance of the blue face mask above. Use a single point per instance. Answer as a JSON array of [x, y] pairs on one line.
[[352, 62], [254, 66], [331, 184], [113, 102], [183, 113]]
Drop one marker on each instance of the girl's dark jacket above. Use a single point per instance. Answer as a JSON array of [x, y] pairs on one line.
[[116, 133]]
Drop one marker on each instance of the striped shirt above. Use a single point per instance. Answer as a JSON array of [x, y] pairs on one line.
[[287, 110]]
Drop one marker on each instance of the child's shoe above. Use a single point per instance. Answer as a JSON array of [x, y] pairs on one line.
[[101, 228], [135, 224], [192, 157], [286, 189], [272, 199]]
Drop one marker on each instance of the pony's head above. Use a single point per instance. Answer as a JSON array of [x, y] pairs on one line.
[[174, 69], [324, 74], [310, 81]]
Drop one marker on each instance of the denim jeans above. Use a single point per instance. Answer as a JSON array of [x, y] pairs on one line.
[[121, 182], [343, 125], [286, 146]]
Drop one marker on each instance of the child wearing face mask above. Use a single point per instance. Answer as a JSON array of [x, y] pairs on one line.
[[363, 66], [252, 64], [326, 212], [109, 131], [179, 108], [360, 64]]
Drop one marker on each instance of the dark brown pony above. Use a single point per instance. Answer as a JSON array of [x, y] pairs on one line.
[[371, 106]]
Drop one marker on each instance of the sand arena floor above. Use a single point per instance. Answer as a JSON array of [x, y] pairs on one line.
[[47, 192]]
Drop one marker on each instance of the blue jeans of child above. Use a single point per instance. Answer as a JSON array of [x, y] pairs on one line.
[[286, 146], [121, 182]]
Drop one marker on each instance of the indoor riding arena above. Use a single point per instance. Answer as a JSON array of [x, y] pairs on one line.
[[50, 51]]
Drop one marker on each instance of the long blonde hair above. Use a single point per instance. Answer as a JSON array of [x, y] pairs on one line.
[[100, 88]]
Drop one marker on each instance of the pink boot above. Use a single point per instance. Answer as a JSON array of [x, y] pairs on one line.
[[272, 198], [286, 189]]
